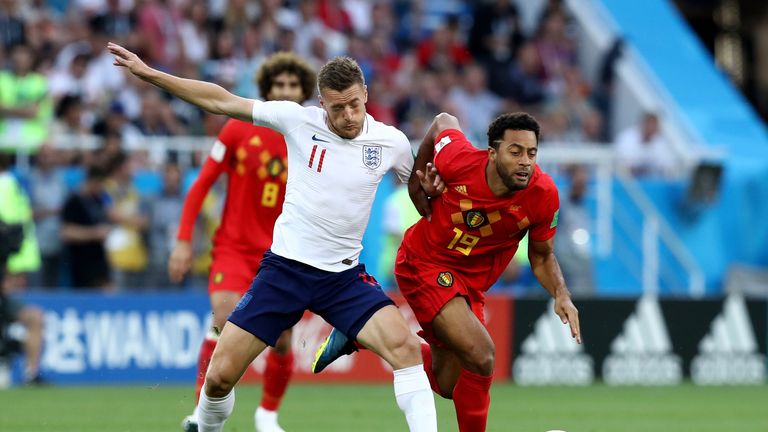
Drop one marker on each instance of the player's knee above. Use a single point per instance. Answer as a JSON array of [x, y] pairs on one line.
[[406, 350], [481, 359], [218, 384]]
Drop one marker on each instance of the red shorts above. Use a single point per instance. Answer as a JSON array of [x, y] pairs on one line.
[[428, 287], [232, 270]]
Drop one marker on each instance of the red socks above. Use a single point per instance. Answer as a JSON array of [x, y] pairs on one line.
[[472, 398], [426, 355], [206, 351], [276, 376]]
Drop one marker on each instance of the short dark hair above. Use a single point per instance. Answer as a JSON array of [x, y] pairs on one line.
[[340, 73], [514, 121], [283, 62], [66, 103]]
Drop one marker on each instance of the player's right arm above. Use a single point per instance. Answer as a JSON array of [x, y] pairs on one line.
[[424, 176], [208, 96], [181, 257]]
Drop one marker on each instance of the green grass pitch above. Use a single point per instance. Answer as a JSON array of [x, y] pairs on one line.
[[372, 408]]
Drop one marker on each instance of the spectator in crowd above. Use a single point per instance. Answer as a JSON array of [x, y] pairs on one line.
[[16, 209], [642, 149], [18, 256], [14, 28], [115, 123], [158, 25], [126, 247], [69, 117], [72, 80], [194, 32], [156, 117], [575, 242], [399, 215], [85, 227], [525, 84], [423, 99], [496, 33], [443, 50], [556, 48], [115, 22], [164, 212], [474, 104], [25, 108], [48, 191]]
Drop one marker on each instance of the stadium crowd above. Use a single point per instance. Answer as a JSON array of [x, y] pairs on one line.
[[472, 59]]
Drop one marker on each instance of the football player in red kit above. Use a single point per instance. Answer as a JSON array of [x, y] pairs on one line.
[[445, 264], [254, 158]]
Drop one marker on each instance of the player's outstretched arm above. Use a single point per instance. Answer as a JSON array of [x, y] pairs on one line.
[[208, 96], [547, 270]]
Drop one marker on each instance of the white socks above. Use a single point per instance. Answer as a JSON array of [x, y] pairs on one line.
[[213, 412], [414, 397], [266, 421]]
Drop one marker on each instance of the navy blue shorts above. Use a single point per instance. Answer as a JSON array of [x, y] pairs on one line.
[[283, 289]]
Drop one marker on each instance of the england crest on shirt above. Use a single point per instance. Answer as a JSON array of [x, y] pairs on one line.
[[372, 156]]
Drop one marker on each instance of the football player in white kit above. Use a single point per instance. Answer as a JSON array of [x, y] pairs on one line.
[[337, 155]]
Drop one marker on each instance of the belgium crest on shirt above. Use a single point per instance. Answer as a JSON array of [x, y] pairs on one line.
[[372, 156], [475, 218]]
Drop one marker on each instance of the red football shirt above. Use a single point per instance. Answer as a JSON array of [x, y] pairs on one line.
[[474, 233], [255, 161]]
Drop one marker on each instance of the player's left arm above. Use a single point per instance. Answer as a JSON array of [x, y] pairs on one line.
[[425, 182], [547, 270]]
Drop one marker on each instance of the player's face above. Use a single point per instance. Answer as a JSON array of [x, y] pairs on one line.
[[345, 109], [286, 86], [515, 158]]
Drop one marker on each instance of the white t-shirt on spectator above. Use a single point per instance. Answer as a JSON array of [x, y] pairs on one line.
[[654, 157]]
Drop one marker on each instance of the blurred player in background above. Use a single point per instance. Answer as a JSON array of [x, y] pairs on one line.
[[255, 161], [445, 265], [338, 156]]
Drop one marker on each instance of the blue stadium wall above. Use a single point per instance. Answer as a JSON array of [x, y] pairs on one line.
[[731, 230]]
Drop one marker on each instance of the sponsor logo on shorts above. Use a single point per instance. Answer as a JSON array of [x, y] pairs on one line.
[[445, 279], [218, 277], [244, 300], [474, 218]]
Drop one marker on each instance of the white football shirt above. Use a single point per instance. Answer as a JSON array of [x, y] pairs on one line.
[[332, 182]]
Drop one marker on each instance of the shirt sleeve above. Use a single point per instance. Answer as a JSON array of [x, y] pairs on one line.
[[451, 146], [281, 116], [545, 226], [403, 164], [215, 164]]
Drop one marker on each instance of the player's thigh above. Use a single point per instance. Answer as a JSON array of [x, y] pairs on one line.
[[283, 345], [235, 350], [461, 331], [223, 303], [387, 334]]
